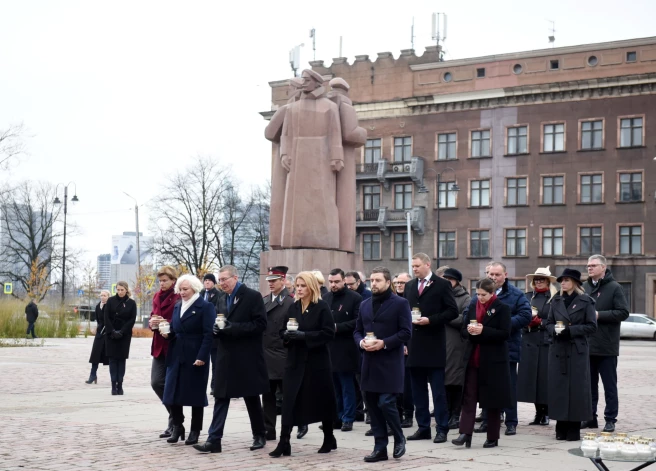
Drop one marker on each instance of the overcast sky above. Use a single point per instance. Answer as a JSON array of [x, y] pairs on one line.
[[118, 94]]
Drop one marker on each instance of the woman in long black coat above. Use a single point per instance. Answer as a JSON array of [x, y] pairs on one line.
[[120, 314], [570, 398], [98, 349], [487, 374], [308, 391], [188, 358]]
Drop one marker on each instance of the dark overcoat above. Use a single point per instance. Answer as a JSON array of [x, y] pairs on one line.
[[494, 370], [427, 348], [31, 312], [454, 375], [120, 314], [569, 394], [345, 307], [190, 340], [308, 391], [275, 353], [383, 370], [240, 369], [532, 376], [98, 348]]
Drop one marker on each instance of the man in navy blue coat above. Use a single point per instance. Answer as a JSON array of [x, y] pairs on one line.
[[387, 316]]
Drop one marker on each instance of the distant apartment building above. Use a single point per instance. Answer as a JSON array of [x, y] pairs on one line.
[[104, 270]]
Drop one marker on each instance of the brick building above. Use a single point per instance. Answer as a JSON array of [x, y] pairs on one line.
[[552, 152]]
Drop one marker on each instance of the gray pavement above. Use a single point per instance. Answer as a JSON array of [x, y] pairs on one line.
[[51, 420]]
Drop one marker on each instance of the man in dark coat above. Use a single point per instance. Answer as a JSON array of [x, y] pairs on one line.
[[612, 309], [353, 281], [344, 355], [433, 296], [520, 312], [405, 403], [240, 366], [216, 298], [31, 315], [383, 367], [277, 304]]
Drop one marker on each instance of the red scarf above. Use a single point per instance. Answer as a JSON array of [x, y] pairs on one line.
[[481, 311]]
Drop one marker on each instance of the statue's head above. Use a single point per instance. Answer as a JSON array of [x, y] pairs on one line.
[[339, 85], [311, 80], [295, 87]]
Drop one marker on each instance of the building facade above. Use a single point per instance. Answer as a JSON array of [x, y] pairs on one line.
[[104, 270], [551, 153]]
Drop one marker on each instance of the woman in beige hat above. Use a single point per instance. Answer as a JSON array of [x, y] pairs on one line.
[[532, 374]]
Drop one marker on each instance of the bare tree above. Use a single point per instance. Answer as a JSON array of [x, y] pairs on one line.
[[12, 144]]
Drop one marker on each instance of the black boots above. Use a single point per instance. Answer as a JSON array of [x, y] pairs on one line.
[[114, 389], [258, 442], [177, 433], [329, 444], [92, 379], [284, 448], [119, 389], [463, 439], [193, 437]]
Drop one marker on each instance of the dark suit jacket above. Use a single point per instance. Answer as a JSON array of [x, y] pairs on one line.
[[427, 348], [275, 352], [345, 307]]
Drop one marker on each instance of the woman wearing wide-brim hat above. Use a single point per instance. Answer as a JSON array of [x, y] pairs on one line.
[[571, 320], [533, 369]]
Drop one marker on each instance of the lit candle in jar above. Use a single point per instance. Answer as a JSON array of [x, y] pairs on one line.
[[220, 320], [292, 324]]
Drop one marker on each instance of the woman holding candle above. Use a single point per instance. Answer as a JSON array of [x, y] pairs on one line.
[[308, 391], [487, 374], [572, 318], [98, 349]]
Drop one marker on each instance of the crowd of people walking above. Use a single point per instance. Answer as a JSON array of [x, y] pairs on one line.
[[318, 351]]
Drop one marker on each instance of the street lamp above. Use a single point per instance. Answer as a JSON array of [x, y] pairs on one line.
[[136, 218], [58, 201], [454, 187]]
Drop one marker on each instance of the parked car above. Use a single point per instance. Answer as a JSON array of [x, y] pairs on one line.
[[638, 325]]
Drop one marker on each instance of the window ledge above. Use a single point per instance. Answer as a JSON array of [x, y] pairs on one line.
[[445, 160], [515, 256], [398, 259], [631, 147], [629, 255], [372, 259], [552, 204], [544, 152], [553, 256], [446, 258], [479, 258], [515, 205], [629, 202], [479, 207], [480, 158], [592, 150], [517, 155], [450, 208], [590, 204]]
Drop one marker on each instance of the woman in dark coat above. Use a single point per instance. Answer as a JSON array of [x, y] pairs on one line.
[[454, 375], [120, 314], [569, 395], [188, 358], [98, 349], [487, 374], [308, 392], [534, 367]]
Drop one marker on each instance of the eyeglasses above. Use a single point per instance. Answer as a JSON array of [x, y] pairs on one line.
[[538, 280], [223, 280], [399, 282], [350, 284]]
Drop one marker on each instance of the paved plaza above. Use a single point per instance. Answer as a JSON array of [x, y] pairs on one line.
[[51, 420]]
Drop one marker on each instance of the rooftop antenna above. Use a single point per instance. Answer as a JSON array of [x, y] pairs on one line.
[[552, 36], [412, 34], [295, 58], [340, 47], [313, 35], [439, 31]]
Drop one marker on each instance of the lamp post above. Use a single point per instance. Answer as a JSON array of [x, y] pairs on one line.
[[58, 201], [454, 187], [136, 218]]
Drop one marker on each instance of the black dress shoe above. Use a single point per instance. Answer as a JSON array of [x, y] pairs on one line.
[[463, 439], [193, 437], [544, 420], [609, 427], [511, 430], [369, 433], [440, 437], [536, 420], [420, 435], [482, 428], [270, 436], [347, 426], [407, 423], [209, 447], [590, 423], [490, 443], [399, 449], [376, 455], [258, 442], [302, 431]]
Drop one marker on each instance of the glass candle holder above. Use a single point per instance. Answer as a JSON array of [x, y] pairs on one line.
[[416, 313], [370, 338], [292, 324], [164, 327], [220, 320]]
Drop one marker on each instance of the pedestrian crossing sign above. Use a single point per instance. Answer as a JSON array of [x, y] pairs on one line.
[[113, 289], [9, 288]]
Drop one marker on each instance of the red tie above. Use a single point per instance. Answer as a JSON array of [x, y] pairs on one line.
[[421, 286]]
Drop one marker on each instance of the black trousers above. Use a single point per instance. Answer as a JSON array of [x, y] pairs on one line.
[[117, 369], [269, 405], [196, 417], [542, 410], [606, 367], [221, 406], [469, 400], [360, 406], [157, 379], [383, 412], [454, 400]]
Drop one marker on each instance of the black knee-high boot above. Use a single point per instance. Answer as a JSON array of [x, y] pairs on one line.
[[329, 442], [284, 447]]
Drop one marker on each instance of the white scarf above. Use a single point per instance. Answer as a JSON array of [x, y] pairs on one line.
[[187, 304]]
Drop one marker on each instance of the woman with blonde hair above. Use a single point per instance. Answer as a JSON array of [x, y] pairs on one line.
[[120, 314], [534, 367], [308, 391], [98, 349]]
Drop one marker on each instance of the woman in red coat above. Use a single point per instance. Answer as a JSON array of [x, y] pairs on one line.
[[163, 304]]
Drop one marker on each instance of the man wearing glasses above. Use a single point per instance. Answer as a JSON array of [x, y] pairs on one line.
[[405, 403], [354, 282], [400, 281]]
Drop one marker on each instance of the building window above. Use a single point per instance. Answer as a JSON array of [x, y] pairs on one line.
[[554, 64], [592, 61], [631, 56], [446, 197], [371, 246], [479, 243], [630, 187], [631, 132], [472, 286], [447, 244], [518, 283], [552, 241], [446, 146], [371, 196], [592, 135], [372, 151], [590, 240], [402, 149], [401, 245], [592, 188], [448, 77], [630, 240], [480, 193], [480, 143], [515, 242], [554, 138], [517, 69], [626, 287], [403, 196], [516, 191], [518, 140], [553, 190]]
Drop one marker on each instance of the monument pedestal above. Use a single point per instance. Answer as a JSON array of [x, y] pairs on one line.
[[299, 260]]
